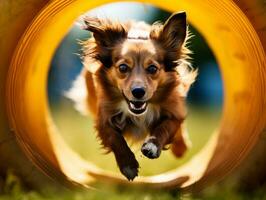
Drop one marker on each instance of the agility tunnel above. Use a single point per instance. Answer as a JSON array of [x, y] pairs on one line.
[[29, 139]]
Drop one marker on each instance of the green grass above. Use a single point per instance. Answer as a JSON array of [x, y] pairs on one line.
[[13, 190], [78, 132], [80, 135]]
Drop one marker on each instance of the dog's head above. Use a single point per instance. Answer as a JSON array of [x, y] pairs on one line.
[[139, 60]]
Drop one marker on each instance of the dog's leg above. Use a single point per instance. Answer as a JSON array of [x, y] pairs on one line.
[[160, 135], [113, 141], [181, 142]]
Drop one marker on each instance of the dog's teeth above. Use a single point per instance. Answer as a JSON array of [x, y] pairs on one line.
[[135, 108], [132, 105]]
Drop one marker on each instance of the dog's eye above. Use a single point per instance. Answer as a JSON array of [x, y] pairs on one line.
[[123, 68], [152, 69]]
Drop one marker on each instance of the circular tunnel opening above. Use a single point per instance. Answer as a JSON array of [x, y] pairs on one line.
[[37, 132], [204, 99]]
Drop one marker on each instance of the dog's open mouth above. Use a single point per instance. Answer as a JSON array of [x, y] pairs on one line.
[[137, 107]]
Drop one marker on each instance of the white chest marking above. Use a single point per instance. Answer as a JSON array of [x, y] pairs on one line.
[[140, 122]]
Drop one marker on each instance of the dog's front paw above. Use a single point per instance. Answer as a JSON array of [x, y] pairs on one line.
[[130, 172], [151, 150], [128, 166]]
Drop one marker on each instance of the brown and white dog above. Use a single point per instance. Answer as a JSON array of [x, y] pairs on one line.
[[135, 80]]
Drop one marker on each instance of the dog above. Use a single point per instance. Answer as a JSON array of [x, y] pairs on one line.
[[134, 82]]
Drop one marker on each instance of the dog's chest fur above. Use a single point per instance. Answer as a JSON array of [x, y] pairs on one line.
[[134, 126]]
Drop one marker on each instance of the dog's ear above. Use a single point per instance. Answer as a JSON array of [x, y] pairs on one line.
[[174, 31], [171, 36], [107, 35]]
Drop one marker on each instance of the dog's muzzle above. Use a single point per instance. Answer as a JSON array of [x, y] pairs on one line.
[[136, 107]]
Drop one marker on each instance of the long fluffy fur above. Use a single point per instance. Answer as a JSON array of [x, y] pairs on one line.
[[98, 88]]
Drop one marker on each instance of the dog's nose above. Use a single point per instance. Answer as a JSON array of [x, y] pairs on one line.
[[138, 92]]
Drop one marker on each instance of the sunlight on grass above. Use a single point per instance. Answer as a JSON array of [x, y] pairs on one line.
[[80, 135], [13, 190]]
